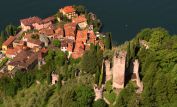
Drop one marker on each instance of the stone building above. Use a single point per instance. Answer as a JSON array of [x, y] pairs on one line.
[[54, 78], [108, 70], [135, 76], [119, 61], [98, 92]]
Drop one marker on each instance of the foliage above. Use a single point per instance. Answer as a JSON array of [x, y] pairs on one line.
[[80, 9], [56, 43], [91, 60], [3, 62], [100, 103]]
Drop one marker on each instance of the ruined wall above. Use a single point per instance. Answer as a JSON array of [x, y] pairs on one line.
[[136, 76], [108, 70], [119, 61], [98, 92], [54, 79]]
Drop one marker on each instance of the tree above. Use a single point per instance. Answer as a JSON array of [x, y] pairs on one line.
[[100, 103], [91, 59], [80, 9], [56, 43]]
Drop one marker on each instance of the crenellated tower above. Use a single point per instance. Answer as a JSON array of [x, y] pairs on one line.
[[119, 61]]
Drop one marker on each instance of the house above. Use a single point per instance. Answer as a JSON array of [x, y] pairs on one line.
[[32, 43], [68, 11], [25, 60], [81, 21], [18, 43], [82, 36], [12, 52], [48, 32], [45, 23], [27, 24], [70, 30], [59, 33], [78, 50], [8, 43], [64, 45]]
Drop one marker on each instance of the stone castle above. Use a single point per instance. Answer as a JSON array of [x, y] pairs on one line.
[[119, 61]]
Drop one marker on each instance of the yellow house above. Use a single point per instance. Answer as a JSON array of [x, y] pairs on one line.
[[7, 43]]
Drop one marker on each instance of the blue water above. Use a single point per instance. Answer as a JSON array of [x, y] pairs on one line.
[[124, 18]]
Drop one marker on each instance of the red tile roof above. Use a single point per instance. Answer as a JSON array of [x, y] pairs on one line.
[[47, 31], [11, 52], [9, 41], [31, 20], [79, 19], [70, 29], [68, 9], [82, 36], [49, 19]]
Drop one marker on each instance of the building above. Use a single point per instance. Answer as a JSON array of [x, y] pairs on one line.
[[8, 44], [78, 50], [108, 70], [48, 32], [12, 52], [32, 43], [119, 62], [64, 45], [135, 76], [25, 60], [70, 30], [59, 33], [27, 24], [68, 11], [81, 21], [45, 23], [82, 36]]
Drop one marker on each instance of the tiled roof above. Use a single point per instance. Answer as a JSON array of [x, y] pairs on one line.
[[24, 59], [47, 31], [9, 41], [31, 20], [82, 36], [68, 9], [70, 29], [48, 19]]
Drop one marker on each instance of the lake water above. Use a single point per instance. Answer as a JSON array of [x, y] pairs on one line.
[[124, 18]]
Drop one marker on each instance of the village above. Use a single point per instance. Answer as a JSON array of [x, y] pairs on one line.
[[29, 47]]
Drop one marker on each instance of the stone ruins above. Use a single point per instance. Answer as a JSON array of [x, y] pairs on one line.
[[135, 76], [98, 92], [108, 70], [119, 61], [54, 78]]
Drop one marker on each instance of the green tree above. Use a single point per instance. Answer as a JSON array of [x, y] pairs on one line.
[[100, 103]]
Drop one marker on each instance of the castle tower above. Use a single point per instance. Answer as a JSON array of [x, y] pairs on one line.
[[108, 70], [98, 92], [54, 78], [135, 76], [119, 61]]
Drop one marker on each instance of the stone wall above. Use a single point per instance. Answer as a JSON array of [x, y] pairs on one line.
[[54, 79], [98, 92], [108, 70], [136, 77], [119, 61]]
